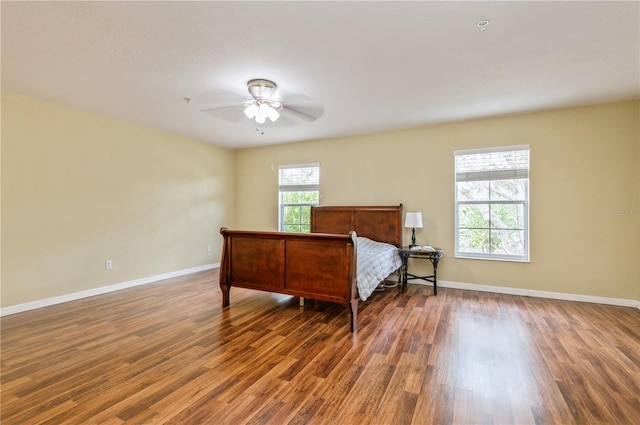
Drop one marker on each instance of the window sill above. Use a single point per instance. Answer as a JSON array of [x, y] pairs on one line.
[[464, 256]]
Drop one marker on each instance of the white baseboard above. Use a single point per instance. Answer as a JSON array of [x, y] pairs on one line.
[[102, 290], [535, 293]]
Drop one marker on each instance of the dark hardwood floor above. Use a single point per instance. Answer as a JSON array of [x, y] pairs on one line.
[[166, 353]]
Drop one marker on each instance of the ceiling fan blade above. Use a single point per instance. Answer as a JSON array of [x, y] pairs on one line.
[[220, 97], [308, 113], [232, 113], [291, 97]]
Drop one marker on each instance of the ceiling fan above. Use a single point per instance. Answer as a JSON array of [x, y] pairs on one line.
[[269, 104]]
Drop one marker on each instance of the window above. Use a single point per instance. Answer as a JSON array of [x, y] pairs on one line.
[[492, 203], [299, 188]]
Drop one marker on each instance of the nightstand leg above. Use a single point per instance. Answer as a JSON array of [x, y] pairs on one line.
[[404, 271], [434, 261]]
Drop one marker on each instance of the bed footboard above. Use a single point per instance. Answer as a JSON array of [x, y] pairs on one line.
[[317, 266]]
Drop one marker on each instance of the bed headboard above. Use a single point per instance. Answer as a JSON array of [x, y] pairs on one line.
[[383, 224]]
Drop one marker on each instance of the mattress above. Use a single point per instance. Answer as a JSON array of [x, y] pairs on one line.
[[376, 261]]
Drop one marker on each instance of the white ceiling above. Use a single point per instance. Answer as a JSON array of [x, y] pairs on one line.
[[372, 66]]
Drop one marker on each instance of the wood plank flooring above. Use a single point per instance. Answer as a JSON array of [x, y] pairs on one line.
[[166, 353]]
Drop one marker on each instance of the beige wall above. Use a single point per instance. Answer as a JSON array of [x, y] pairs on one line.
[[80, 188], [584, 163]]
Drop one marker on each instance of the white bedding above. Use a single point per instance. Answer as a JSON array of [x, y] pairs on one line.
[[376, 261]]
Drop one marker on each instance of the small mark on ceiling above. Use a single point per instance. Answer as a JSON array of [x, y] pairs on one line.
[[483, 24]]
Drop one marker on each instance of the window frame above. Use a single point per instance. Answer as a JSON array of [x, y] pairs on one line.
[[295, 188], [491, 176]]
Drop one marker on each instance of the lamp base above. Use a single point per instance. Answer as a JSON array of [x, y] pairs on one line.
[[413, 237]]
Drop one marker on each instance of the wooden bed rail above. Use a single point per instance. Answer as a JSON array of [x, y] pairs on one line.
[[319, 266]]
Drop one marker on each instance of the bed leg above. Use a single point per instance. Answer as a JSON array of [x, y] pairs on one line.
[[225, 295], [301, 301], [354, 315]]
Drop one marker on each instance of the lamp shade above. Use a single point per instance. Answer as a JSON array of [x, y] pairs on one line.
[[413, 219]]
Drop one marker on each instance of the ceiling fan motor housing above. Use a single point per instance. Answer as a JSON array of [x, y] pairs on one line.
[[261, 89]]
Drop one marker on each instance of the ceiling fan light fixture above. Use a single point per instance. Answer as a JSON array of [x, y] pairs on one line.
[[261, 110], [261, 116], [251, 110], [266, 111], [273, 114]]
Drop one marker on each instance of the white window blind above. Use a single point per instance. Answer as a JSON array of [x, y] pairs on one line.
[[492, 165], [293, 178]]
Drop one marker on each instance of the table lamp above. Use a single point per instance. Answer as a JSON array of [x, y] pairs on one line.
[[413, 220]]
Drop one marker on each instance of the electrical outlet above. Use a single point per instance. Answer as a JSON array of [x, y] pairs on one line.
[[108, 265], [209, 247]]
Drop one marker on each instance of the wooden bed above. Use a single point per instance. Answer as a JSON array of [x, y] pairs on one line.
[[320, 265]]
